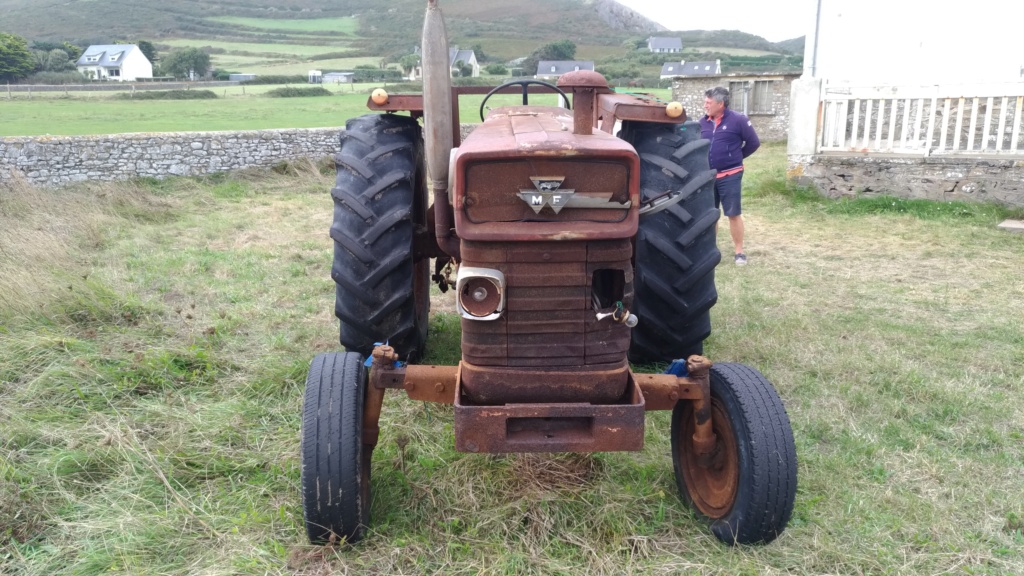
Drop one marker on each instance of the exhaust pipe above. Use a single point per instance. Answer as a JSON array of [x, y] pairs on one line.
[[438, 123]]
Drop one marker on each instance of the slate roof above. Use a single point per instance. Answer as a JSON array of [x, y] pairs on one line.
[[703, 68], [655, 43], [544, 67], [454, 55], [106, 55]]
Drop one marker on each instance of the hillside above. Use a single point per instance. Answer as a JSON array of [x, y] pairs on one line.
[[384, 28], [270, 37]]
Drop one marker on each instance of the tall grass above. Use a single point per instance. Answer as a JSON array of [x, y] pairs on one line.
[[149, 414]]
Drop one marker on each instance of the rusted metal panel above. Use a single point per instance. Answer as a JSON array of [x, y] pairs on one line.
[[545, 321], [551, 427], [613, 340], [549, 319], [493, 191], [517, 144], [532, 298], [600, 384], [547, 252], [522, 274], [642, 108], [431, 383], [398, 103], [663, 391]]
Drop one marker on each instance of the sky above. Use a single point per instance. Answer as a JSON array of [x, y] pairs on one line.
[[773, 21]]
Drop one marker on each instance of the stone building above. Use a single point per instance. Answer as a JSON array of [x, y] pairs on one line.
[[762, 97]]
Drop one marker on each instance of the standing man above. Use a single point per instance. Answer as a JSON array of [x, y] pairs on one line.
[[732, 139]]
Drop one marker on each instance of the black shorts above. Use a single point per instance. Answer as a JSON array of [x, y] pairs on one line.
[[727, 193]]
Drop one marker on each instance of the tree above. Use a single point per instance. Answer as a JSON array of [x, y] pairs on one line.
[[55, 60], [191, 63], [478, 49], [561, 50], [16, 60], [464, 70], [148, 50]]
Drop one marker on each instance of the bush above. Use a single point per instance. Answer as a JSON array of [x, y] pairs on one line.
[[277, 79], [56, 78], [168, 95], [498, 69], [290, 92]]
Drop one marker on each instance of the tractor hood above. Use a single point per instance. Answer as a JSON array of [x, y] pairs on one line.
[[524, 175]]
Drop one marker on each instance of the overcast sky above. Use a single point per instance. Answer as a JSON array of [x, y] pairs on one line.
[[774, 21]]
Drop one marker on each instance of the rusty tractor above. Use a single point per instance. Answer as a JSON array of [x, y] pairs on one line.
[[574, 250]]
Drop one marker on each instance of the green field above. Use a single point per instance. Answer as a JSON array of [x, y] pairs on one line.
[[268, 49], [325, 26], [155, 337], [237, 108]]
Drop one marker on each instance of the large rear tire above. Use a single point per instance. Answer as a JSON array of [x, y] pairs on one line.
[[335, 464], [382, 285], [746, 488], [676, 252]]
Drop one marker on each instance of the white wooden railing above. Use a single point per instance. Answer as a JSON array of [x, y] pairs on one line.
[[922, 120]]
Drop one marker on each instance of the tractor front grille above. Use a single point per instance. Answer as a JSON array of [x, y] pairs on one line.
[[549, 323]]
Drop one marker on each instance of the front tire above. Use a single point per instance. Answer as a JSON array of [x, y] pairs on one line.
[[676, 252], [382, 285], [335, 464], [747, 490]]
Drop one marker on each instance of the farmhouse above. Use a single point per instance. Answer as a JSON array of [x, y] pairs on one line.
[[549, 69], [120, 62], [666, 45], [945, 124], [467, 57]]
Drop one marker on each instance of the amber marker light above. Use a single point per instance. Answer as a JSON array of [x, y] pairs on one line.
[[674, 109], [379, 97]]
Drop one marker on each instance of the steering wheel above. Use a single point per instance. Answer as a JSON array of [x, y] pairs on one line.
[[524, 84]]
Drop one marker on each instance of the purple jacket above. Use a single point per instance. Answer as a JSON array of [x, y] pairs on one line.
[[731, 141]]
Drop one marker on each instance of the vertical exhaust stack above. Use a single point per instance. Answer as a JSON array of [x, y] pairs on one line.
[[438, 123]]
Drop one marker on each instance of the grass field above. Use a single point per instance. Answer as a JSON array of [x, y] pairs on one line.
[[325, 26], [154, 338], [237, 108]]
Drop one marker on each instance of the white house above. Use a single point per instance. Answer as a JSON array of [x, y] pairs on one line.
[[888, 92], [467, 57], [551, 69], [664, 45], [120, 62]]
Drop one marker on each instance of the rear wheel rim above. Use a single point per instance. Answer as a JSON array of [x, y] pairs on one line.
[[712, 488]]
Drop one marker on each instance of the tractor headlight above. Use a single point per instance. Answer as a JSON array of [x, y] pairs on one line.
[[480, 293]]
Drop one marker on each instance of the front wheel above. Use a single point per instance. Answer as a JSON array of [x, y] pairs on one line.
[[745, 489], [335, 463]]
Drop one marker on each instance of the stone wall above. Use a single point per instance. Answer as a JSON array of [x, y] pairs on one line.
[[56, 160], [772, 126], [942, 178]]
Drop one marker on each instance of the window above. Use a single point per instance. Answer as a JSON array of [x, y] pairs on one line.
[[92, 57], [752, 97], [552, 68], [761, 101], [114, 57], [577, 69], [114, 72]]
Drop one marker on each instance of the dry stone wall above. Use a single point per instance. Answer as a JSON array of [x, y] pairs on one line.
[[57, 160], [941, 179]]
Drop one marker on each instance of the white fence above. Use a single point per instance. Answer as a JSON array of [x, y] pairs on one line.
[[976, 120]]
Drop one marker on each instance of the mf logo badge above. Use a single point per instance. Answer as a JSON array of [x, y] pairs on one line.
[[549, 192]]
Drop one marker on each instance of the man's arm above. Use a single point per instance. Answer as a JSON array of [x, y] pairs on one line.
[[750, 139]]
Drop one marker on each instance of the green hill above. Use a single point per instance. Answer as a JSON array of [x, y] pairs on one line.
[[290, 37]]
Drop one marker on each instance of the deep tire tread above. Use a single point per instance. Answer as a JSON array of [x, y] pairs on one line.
[[377, 204], [676, 251]]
